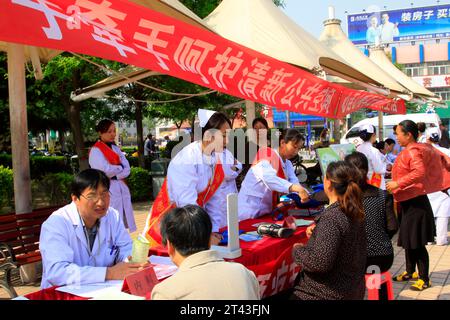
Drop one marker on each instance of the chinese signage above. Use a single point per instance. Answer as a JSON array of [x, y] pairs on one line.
[[135, 35], [440, 81], [399, 25]]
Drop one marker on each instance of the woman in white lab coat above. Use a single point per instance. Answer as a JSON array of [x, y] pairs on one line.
[[377, 164], [108, 157], [217, 207], [270, 175], [194, 176], [440, 201], [85, 241]]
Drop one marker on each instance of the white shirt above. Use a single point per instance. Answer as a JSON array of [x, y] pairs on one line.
[[255, 196], [120, 194], [388, 31], [376, 161], [66, 256], [217, 206]]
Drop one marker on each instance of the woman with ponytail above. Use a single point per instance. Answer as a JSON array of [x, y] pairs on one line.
[[333, 262]]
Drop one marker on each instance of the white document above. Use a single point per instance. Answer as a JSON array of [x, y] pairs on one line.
[[93, 289], [116, 295], [20, 298], [163, 271], [161, 260]]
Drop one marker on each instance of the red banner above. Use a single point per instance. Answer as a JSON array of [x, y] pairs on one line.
[[123, 31]]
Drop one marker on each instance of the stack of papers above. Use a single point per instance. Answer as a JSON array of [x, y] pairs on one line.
[[163, 266], [93, 290]]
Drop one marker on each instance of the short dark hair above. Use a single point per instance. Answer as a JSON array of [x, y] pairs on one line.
[[217, 120], [409, 126], [389, 141], [380, 145], [103, 125], [149, 136], [188, 229], [89, 178], [261, 120], [421, 126], [293, 135]]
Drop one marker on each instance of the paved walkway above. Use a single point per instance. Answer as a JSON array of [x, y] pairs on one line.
[[439, 268]]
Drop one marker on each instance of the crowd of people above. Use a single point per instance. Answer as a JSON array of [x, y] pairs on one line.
[[86, 241]]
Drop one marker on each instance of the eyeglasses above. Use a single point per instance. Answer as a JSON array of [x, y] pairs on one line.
[[95, 198]]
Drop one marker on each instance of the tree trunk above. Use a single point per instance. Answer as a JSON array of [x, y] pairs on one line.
[[74, 115], [140, 134], [62, 140]]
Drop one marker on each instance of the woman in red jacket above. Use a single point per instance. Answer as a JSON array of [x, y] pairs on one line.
[[418, 170]]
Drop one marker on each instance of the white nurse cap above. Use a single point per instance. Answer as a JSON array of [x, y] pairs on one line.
[[204, 116], [367, 127]]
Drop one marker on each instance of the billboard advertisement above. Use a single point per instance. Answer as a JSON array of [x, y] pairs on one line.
[[410, 24]]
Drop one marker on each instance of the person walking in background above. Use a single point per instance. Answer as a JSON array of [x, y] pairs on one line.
[[333, 262], [381, 222], [418, 170], [445, 140], [377, 164], [108, 157], [149, 145]]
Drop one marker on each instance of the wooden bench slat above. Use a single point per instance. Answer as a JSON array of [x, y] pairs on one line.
[[10, 236]]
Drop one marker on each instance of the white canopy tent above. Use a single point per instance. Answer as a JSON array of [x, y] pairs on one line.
[[262, 26], [336, 40], [378, 56]]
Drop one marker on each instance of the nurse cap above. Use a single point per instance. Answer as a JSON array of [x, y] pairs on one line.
[[204, 116], [368, 128], [433, 133]]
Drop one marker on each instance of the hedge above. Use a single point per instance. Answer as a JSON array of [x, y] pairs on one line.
[[56, 187], [6, 187], [40, 165], [140, 183]]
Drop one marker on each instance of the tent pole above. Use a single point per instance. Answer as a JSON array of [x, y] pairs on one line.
[[19, 128], [380, 126], [250, 110]]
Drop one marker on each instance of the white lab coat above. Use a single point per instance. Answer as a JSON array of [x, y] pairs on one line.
[[66, 256], [376, 161], [188, 174], [217, 206], [255, 196], [120, 194]]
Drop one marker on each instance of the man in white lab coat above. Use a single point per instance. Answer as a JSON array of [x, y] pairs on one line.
[[86, 241]]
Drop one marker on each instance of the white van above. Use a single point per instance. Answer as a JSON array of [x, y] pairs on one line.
[[352, 135]]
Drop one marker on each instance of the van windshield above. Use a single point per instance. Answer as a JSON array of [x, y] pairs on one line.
[[354, 132]]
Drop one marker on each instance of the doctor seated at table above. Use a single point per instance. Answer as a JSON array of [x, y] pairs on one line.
[[85, 241], [271, 174]]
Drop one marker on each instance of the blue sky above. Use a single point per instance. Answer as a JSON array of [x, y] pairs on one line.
[[310, 14]]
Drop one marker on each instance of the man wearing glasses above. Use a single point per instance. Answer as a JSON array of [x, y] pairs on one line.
[[85, 241]]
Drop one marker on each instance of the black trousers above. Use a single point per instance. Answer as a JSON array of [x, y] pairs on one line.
[[420, 258]]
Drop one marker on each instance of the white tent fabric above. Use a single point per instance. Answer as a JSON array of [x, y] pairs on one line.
[[378, 56], [335, 39], [262, 26], [174, 9]]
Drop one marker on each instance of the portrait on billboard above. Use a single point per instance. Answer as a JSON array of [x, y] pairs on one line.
[[411, 24]]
